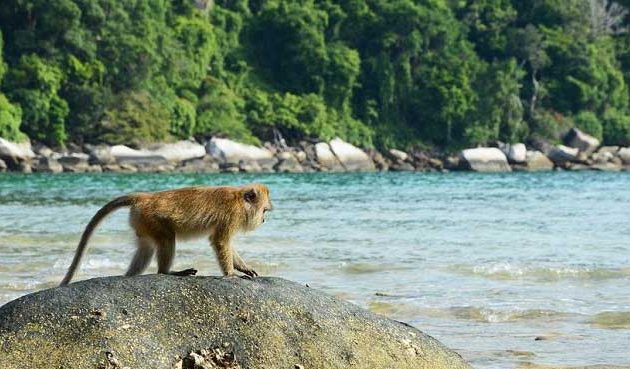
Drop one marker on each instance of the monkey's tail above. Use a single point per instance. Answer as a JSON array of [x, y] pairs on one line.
[[111, 206]]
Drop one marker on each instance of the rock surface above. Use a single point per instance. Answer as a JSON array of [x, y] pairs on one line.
[[351, 157], [232, 152], [484, 159], [155, 321], [178, 151], [47, 165], [325, 157], [127, 155], [516, 153], [581, 141], [13, 154], [561, 154], [537, 161]]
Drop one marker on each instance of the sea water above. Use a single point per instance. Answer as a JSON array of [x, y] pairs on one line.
[[506, 269]]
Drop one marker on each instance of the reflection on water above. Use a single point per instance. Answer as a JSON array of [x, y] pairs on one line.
[[508, 269]]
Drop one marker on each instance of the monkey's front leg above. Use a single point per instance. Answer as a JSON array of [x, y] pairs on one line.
[[220, 241], [242, 266]]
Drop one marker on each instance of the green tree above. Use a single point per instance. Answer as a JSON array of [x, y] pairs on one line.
[[10, 115]]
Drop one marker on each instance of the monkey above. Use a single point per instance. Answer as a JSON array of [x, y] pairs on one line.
[[158, 218]]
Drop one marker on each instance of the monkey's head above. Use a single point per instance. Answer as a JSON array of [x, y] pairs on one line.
[[257, 204]]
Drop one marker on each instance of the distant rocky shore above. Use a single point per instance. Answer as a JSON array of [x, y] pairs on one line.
[[579, 151]]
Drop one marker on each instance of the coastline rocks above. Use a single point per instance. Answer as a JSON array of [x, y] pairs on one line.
[[230, 154], [516, 153], [351, 157], [561, 155], [178, 151], [15, 154], [325, 157], [624, 155], [3, 166], [205, 164], [398, 155], [101, 155], [585, 143], [156, 321], [47, 165], [484, 159], [537, 161], [74, 163], [138, 158], [288, 163]]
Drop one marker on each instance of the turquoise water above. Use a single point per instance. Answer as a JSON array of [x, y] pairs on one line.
[[483, 262]]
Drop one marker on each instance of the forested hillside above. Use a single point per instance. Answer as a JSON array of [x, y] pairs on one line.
[[379, 73]]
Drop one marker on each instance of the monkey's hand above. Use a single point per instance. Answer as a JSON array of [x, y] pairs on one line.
[[185, 272]]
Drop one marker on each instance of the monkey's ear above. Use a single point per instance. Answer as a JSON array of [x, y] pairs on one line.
[[250, 195]]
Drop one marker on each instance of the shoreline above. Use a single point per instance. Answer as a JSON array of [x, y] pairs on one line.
[[219, 155]]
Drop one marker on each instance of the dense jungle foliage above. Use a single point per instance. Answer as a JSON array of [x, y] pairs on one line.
[[379, 73]]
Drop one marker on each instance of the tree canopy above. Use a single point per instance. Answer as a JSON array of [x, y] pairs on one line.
[[376, 73]]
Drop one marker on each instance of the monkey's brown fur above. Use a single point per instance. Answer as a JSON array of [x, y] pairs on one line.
[[159, 218]]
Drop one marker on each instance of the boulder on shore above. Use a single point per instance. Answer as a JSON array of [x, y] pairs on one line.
[[15, 154], [325, 157], [232, 153], [351, 157], [561, 155], [140, 158], [484, 159], [178, 151], [537, 161], [156, 321], [586, 143], [516, 153]]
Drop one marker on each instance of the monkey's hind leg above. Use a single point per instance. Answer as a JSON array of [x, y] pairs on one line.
[[142, 257], [165, 256]]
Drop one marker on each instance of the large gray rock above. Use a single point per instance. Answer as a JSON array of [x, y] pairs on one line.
[[484, 159], [325, 157], [200, 165], [139, 158], [288, 163], [101, 154], [153, 321], [178, 151], [74, 162], [516, 153], [536, 161], [624, 155], [397, 155], [351, 157], [232, 153], [561, 155], [581, 141], [14, 154], [47, 165]]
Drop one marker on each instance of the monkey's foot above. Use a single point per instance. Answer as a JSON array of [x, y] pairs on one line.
[[249, 272], [244, 276], [185, 272]]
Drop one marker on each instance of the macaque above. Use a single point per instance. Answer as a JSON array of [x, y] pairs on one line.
[[159, 218]]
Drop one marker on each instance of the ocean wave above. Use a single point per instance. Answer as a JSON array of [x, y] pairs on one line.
[[612, 320], [487, 315], [507, 271], [472, 313], [366, 268]]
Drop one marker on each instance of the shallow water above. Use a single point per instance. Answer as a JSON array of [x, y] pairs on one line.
[[486, 263]]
